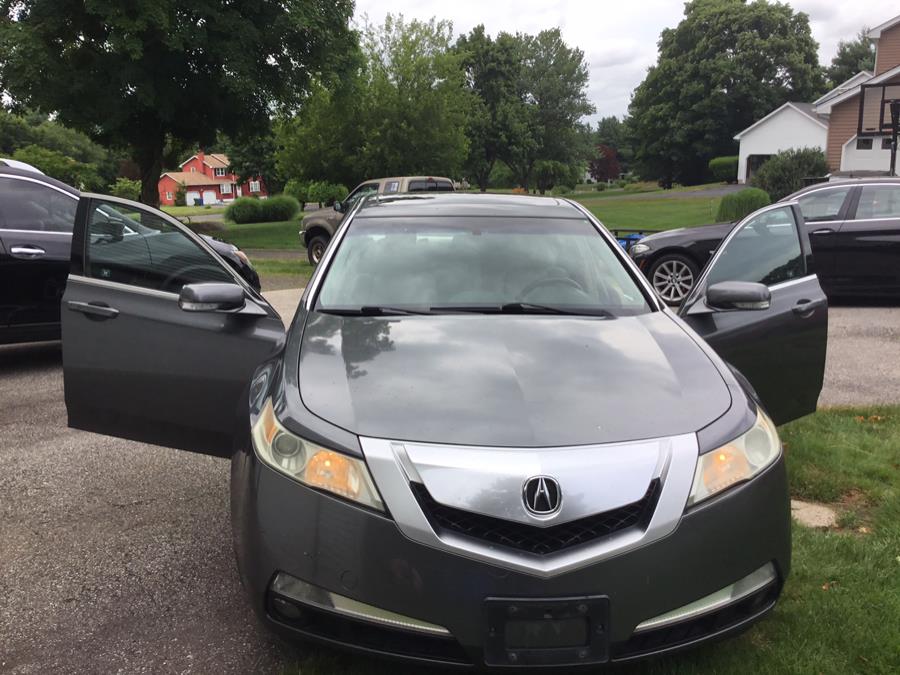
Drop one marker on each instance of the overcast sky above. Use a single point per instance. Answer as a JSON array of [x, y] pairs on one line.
[[618, 37]]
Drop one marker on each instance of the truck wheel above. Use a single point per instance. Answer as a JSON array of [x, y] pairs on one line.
[[315, 249]]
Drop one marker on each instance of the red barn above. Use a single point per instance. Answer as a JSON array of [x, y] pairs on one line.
[[207, 179]]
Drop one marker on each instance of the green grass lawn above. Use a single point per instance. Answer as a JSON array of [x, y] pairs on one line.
[[278, 235], [840, 610], [278, 273], [192, 210], [654, 214]]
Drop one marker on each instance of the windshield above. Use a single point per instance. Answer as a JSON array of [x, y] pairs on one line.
[[478, 264]]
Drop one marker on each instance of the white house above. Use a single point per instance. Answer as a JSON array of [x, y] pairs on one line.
[[793, 125]]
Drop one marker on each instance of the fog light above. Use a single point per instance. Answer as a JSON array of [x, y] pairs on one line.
[[313, 596], [287, 609], [725, 596]]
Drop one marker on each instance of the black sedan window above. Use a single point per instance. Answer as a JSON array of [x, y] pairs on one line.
[[472, 264]]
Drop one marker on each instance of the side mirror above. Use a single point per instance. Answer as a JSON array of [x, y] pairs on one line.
[[211, 297], [738, 295], [340, 207]]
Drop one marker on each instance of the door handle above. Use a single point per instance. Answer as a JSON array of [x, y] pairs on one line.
[[93, 309], [805, 308], [28, 251], [823, 230]]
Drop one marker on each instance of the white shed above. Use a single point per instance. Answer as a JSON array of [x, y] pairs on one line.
[[792, 126]]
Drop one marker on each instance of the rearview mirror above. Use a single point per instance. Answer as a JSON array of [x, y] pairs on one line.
[[339, 206], [211, 297], [738, 295]]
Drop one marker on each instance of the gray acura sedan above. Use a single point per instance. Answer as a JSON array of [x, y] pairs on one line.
[[483, 440]]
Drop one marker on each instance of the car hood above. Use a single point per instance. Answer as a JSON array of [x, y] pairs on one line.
[[525, 381], [715, 230]]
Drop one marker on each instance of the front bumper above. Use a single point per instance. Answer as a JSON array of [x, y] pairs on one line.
[[281, 526]]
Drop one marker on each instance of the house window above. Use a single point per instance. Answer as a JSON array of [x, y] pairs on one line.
[[193, 169], [885, 143], [219, 172], [254, 186], [225, 188], [169, 196], [863, 143]]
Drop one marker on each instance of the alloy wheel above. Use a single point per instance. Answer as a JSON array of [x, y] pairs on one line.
[[673, 280]]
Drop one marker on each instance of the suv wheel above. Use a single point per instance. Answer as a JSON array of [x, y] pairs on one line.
[[315, 249], [673, 276]]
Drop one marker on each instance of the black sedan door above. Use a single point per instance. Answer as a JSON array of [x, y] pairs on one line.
[[136, 364], [778, 346], [35, 238], [868, 243]]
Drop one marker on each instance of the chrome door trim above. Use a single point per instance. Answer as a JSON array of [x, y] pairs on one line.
[[116, 285], [393, 472], [792, 282]]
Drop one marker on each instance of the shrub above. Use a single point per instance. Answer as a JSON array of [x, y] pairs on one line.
[[323, 192], [253, 210], [561, 190], [621, 183], [180, 195], [724, 169], [299, 190], [736, 205], [126, 189], [783, 173], [601, 187]]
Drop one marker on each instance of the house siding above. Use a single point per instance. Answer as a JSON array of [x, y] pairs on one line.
[[787, 129], [842, 126], [887, 55], [200, 168]]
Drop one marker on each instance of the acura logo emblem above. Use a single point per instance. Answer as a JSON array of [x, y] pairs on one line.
[[542, 495]]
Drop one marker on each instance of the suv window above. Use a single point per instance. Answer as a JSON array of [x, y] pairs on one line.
[[26, 205], [823, 205], [430, 186], [765, 250], [132, 245], [879, 201]]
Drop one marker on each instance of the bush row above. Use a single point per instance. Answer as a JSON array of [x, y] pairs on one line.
[[724, 169], [253, 210]]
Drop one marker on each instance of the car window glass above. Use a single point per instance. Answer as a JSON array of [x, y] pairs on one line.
[[765, 250], [392, 186], [430, 186], [360, 192], [477, 262], [26, 205], [823, 204], [132, 245], [879, 201]]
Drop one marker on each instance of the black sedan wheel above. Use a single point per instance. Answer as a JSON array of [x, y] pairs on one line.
[[673, 276], [316, 249]]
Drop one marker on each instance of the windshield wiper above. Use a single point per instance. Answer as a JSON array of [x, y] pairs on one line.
[[523, 308], [370, 310]]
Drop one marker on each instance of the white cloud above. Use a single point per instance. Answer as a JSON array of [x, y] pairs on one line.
[[619, 38]]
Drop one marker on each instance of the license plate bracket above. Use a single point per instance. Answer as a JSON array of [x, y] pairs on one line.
[[546, 631]]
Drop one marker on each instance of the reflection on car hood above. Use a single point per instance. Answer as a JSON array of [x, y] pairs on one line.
[[525, 381], [714, 231]]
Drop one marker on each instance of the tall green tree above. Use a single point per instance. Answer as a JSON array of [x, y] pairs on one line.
[[132, 75], [852, 56], [253, 155], [727, 64]]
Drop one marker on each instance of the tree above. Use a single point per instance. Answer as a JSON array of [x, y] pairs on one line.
[[727, 64], [253, 155], [852, 57], [605, 166], [59, 166], [134, 76], [126, 188]]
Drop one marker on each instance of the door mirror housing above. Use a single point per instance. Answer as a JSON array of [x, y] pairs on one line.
[[211, 297], [340, 206], [738, 295]]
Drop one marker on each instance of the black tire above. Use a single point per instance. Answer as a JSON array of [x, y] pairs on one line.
[[315, 249], [673, 276]]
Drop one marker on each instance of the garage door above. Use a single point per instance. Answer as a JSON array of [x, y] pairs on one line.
[[192, 198], [209, 196]]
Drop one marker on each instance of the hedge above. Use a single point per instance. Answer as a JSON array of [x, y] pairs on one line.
[[736, 205], [724, 169], [253, 210]]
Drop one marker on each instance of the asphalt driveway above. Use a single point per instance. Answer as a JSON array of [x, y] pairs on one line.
[[116, 556]]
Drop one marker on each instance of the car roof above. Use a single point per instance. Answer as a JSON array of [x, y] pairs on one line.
[[409, 178], [466, 204], [39, 177], [844, 182]]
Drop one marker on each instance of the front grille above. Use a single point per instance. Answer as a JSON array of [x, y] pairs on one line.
[[532, 539]]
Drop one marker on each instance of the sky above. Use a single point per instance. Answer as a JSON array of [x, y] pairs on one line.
[[618, 37]]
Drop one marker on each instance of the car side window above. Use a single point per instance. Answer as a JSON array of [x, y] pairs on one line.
[[430, 186], [26, 205], [391, 187], [879, 201], [362, 191], [823, 205], [765, 250], [132, 245]]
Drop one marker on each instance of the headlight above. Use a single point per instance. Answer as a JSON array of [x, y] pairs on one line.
[[637, 249], [737, 461], [311, 464]]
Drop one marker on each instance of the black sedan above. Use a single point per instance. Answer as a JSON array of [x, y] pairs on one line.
[[854, 227], [37, 214]]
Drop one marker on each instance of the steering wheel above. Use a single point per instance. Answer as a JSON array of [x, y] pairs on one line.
[[551, 281]]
